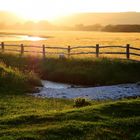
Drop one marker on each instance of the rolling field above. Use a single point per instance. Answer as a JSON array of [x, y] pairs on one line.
[[24, 117], [78, 38], [82, 38]]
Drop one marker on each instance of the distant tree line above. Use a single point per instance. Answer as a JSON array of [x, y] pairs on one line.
[[29, 25], [45, 25], [121, 28], [108, 28], [95, 27]]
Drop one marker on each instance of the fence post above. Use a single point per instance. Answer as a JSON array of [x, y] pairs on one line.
[[97, 50], [44, 53], [2, 47], [69, 51], [128, 51], [22, 49]]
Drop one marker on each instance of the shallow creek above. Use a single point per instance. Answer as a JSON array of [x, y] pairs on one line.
[[61, 90]]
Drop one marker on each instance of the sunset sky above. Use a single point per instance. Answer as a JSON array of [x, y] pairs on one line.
[[52, 9]]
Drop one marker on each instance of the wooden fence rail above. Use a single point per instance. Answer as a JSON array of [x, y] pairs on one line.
[[97, 50]]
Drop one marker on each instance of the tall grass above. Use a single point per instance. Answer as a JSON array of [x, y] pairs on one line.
[[102, 71], [11, 79]]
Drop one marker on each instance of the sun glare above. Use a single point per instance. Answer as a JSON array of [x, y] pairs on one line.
[[40, 9], [53, 9]]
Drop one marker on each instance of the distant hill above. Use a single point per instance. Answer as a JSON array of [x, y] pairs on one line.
[[9, 18], [112, 22], [82, 18], [100, 18]]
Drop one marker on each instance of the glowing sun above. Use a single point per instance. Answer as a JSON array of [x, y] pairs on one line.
[[40, 9]]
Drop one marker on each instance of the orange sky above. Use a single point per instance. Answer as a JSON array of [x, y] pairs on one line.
[[53, 9]]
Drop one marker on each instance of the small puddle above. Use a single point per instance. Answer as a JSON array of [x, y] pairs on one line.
[[13, 37]]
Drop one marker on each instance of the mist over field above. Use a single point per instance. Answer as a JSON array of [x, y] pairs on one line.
[[101, 18], [124, 21]]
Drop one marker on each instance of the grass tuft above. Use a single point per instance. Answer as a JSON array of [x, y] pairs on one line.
[[81, 102]]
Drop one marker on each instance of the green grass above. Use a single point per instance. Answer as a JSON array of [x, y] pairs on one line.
[[11, 79], [90, 71], [27, 118], [24, 117]]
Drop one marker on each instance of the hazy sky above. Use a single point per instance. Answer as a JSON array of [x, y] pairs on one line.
[[39, 9]]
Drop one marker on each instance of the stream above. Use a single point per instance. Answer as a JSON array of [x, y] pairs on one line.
[[60, 90], [16, 37]]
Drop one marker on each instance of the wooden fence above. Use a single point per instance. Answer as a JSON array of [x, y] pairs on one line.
[[67, 51]]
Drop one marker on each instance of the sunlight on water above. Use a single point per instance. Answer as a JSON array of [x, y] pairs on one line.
[[4, 37], [33, 38]]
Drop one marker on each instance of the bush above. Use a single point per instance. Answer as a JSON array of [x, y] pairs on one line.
[[11, 79], [81, 102]]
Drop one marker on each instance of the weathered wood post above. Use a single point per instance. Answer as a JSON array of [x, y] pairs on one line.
[[2, 47], [69, 51], [44, 53], [128, 51], [97, 50], [22, 49]]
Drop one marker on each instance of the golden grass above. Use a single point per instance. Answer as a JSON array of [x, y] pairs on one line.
[[83, 38]]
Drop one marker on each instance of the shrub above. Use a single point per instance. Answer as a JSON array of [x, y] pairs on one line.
[[81, 102], [11, 79]]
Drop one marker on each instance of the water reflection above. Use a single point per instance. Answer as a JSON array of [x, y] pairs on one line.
[[12, 37], [33, 38]]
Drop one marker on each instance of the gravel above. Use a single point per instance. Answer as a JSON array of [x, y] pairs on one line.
[[59, 90]]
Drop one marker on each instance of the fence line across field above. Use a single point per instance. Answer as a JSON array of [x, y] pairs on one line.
[[97, 50]]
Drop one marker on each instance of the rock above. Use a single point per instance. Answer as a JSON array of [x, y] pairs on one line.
[[37, 89], [126, 87], [138, 83], [62, 56], [75, 86], [72, 86], [64, 97], [132, 97]]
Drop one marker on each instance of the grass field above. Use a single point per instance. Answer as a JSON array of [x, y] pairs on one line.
[[24, 117], [76, 38], [83, 38]]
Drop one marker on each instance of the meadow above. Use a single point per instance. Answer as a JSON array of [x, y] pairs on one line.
[[24, 117], [81, 38]]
